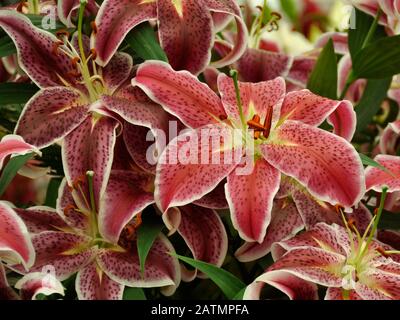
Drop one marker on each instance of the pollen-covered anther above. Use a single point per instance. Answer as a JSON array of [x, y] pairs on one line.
[[93, 25], [60, 34], [67, 210], [78, 182], [352, 223], [255, 124], [339, 209], [223, 117], [93, 53], [22, 4], [376, 210], [382, 252], [56, 46], [75, 61], [75, 74]]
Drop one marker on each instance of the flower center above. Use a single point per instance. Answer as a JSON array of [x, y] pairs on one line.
[[129, 233], [261, 129]]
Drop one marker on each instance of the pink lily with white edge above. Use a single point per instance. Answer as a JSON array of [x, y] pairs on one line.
[[15, 246], [99, 243], [351, 266], [281, 127], [14, 144], [79, 103], [182, 24], [67, 10]]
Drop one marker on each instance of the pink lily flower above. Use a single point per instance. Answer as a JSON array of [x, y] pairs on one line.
[[67, 10], [186, 29], [36, 283], [376, 178], [15, 246], [295, 209], [78, 102], [350, 266], [289, 142], [13, 144], [99, 243]]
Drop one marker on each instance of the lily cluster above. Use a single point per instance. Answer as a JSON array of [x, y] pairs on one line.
[[221, 152]]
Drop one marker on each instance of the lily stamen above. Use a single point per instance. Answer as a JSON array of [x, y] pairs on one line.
[[93, 25], [62, 33]]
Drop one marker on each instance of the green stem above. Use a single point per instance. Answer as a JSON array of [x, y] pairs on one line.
[[372, 30], [346, 294], [93, 211], [234, 75]]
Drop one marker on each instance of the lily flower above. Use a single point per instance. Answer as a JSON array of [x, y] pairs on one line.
[[351, 266], [99, 243], [79, 102], [186, 29], [15, 246], [280, 128], [67, 10]]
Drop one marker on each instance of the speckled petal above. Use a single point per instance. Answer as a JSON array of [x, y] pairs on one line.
[[194, 164], [15, 241], [126, 195], [230, 7], [60, 252], [216, 199], [295, 288], [117, 71], [376, 178], [161, 269], [35, 48], [67, 10], [260, 65], [300, 70], [250, 199], [36, 283], [385, 285], [204, 234], [186, 33], [327, 165], [13, 144], [285, 223], [312, 109], [90, 148], [62, 108], [93, 284], [114, 20], [39, 219], [340, 41], [368, 293], [180, 93], [256, 97], [337, 294]]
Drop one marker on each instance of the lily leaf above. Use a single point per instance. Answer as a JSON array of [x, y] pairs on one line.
[[324, 78], [146, 235], [11, 170], [52, 192], [370, 103], [134, 294], [230, 285], [143, 41], [379, 60], [16, 93]]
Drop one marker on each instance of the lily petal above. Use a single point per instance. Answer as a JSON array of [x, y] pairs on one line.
[[183, 178], [15, 242], [90, 148], [92, 284], [36, 51], [204, 234], [256, 97], [376, 178], [63, 108], [215, 199], [126, 195], [294, 287], [250, 199], [117, 71], [13, 144], [183, 25], [161, 270], [259, 65], [319, 160], [6, 292], [35, 283], [285, 223], [114, 20], [66, 10], [337, 294], [180, 93]]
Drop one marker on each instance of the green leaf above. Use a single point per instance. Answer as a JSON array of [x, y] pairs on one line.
[[324, 78], [227, 282], [239, 295], [143, 41], [134, 294], [146, 235], [289, 7], [52, 192], [16, 93], [11, 170], [380, 59], [367, 161], [371, 101], [358, 34]]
